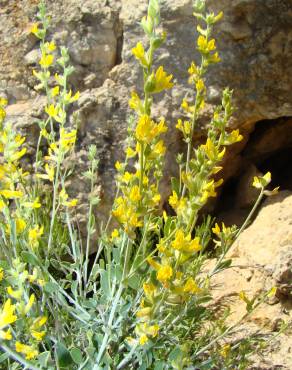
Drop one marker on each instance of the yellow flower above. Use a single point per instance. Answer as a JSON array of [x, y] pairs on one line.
[[11, 194], [216, 229], [211, 45], [263, 181], [115, 234], [29, 351], [6, 335], [185, 243], [159, 149], [153, 263], [173, 199], [2, 114], [34, 234], [67, 139], [204, 45], [130, 152], [257, 183], [234, 137], [191, 287], [152, 330], [118, 166], [135, 102], [34, 29], [162, 80], [7, 315], [1, 273], [143, 339], [39, 322], [144, 312], [156, 198], [29, 304], [144, 330], [212, 151], [194, 245], [193, 70], [186, 128], [72, 99], [50, 46], [186, 107], [20, 225], [17, 155], [147, 130], [71, 203], [127, 177], [135, 195], [179, 125], [149, 290], [16, 294], [164, 273], [3, 102], [60, 79], [50, 173], [139, 52], [52, 111], [55, 91], [225, 350], [214, 58], [38, 335], [218, 16], [34, 204], [46, 60], [200, 86]]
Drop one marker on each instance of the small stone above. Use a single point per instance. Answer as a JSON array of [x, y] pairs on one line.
[[32, 58]]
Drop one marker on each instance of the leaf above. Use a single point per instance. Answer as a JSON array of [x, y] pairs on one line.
[[104, 283], [225, 264], [51, 287], [30, 258], [134, 282], [64, 357], [4, 264], [117, 255], [74, 285], [76, 355], [159, 365], [175, 184], [3, 357], [44, 358]]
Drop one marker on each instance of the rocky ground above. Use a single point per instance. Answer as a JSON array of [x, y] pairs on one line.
[[255, 43]]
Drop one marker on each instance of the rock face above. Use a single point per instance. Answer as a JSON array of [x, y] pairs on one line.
[[262, 258], [254, 41]]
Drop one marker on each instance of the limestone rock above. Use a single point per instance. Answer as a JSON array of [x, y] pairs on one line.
[[262, 259]]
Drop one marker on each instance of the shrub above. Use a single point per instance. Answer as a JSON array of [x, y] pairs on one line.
[[144, 300]]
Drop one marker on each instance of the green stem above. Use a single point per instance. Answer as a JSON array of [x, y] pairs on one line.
[[56, 184], [88, 230], [141, 164], [113, 310], [260, 197], [127, 358]]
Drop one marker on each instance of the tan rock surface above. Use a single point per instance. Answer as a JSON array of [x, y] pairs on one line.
[[262, 258]]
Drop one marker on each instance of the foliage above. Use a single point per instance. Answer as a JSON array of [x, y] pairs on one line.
[[144, 301]]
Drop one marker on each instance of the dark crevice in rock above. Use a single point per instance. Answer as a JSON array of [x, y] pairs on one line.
[[120, 42], [269, 148]]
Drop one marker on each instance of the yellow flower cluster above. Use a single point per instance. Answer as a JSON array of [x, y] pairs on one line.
[[7, 317], [147, 130], [23, 309]]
